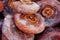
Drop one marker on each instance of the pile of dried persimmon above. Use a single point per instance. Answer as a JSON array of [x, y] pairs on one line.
[[29, 19]]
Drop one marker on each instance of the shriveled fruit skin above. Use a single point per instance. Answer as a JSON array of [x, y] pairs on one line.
[[55, 19], [10, 32], [17, 6], [29, 23]]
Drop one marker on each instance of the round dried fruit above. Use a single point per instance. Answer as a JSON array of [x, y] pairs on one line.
[[29, 23]]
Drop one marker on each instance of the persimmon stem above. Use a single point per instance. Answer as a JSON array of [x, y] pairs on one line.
[[48, 12], [26, 1]]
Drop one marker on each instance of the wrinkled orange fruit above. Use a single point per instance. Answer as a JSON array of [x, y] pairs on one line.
[[29, 23], [47, 12]]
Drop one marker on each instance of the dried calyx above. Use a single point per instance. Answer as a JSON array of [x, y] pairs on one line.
[[26, 1], [32, 18], [24, 6], [29, 23], [48, 12]]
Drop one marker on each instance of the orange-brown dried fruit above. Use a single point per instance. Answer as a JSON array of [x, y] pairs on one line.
[[48, 12]]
